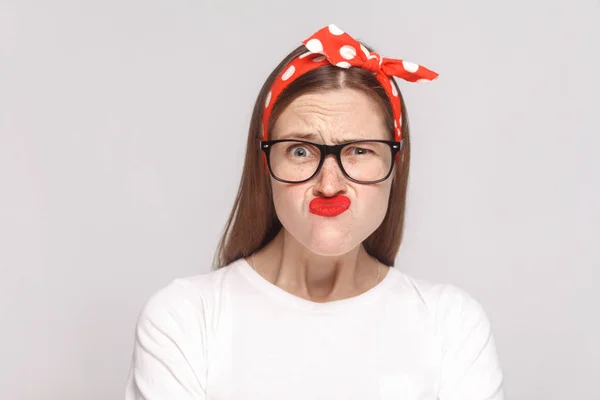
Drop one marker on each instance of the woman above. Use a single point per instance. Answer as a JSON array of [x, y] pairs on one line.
[[304, 303]]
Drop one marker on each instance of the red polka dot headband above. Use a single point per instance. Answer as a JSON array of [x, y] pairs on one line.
[[331, 45]]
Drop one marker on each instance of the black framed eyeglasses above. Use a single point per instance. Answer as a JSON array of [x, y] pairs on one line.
[[361, 161]]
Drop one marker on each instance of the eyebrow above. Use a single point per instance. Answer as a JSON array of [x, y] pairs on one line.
[[297, 135], [313, 137]]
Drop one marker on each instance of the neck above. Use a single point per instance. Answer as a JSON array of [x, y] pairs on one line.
[[291, 266]]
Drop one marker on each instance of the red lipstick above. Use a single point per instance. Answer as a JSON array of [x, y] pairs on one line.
[[329, 206]]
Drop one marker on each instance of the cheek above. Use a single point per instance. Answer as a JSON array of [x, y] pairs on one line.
[[330, 236], [370, 203], [373, 204], [288, 200]]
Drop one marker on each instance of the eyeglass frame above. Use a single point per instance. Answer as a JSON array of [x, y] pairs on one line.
[[335, 150]]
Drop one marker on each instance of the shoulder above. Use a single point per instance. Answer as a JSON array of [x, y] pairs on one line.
[[184, 299], [173, 330], [449, 306], [169, 312], [469, 361]]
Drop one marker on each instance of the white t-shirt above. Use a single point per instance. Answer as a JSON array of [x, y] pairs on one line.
[[231, 334]]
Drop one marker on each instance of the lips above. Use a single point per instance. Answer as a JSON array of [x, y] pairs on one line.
[[329, 206]]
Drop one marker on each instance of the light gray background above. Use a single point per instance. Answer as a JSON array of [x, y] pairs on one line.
[[122, 133]]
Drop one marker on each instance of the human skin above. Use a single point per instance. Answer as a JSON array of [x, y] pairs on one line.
[[316, 257]]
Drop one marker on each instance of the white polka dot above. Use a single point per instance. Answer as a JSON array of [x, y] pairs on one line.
[[287, 74], [395, 124], [308, 53], [423, 80], [365, 50], [319, 59], [343, 64], [334, 30], [268, 100], [394, 91], [314, 45], [410, 67], [370, 56], [398, 132], [348, 52]]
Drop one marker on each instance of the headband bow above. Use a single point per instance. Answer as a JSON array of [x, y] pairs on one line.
[[331, 45]]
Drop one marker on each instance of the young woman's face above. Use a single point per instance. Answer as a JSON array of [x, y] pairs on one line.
[[331, 117]]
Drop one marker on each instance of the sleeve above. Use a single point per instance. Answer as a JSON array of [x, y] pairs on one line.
[[169, 348], [470, 368]]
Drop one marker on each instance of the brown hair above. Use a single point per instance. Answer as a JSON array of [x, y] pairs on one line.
[[253, 222]]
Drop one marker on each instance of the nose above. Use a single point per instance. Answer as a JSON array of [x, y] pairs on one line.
[[330, 179]]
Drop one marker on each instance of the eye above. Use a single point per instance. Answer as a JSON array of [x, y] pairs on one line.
[[359, 151], [299, 151]]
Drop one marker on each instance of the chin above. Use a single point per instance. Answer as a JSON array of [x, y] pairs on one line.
[[330, 240], [328, 236], [330, 248]]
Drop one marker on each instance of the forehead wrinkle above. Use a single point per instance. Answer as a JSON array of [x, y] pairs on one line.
[[340, 118], [324, 118], [323, 111]]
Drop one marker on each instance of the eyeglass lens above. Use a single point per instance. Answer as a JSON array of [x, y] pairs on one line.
[[298, 161]]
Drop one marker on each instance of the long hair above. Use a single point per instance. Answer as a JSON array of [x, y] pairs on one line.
[[253, 222]]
